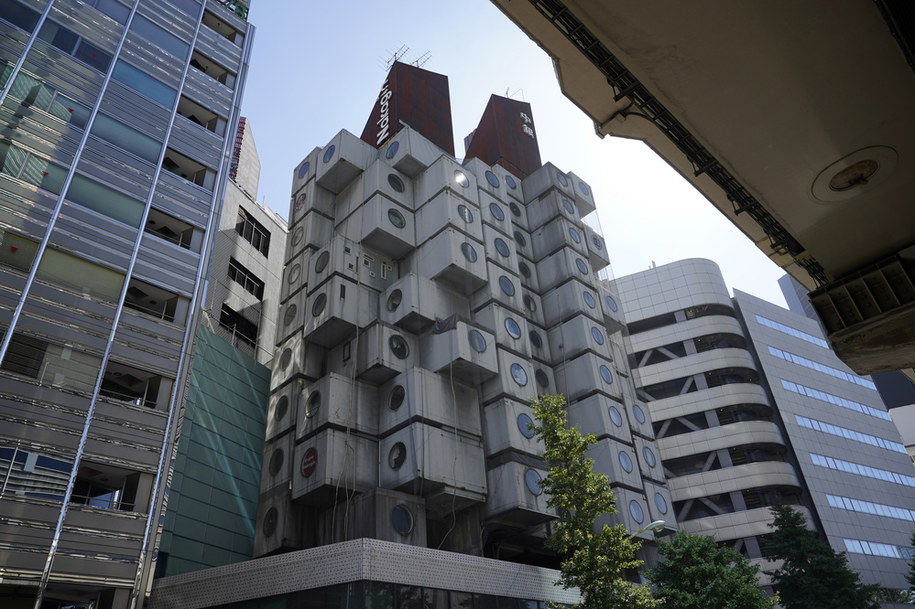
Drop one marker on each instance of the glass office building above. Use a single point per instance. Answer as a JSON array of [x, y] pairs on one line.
[[116, 125]]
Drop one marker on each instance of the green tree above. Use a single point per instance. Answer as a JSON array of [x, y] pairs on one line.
[[697, 574], [910, 577], [591, 561], [813, 575]]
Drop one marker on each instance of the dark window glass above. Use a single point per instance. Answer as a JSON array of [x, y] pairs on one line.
[[241, 328], [159, 37], [144, 84], [25, 355], [113, 9], [245, 278], [18, 15], [58, 36], [92, 56], [253, 231]]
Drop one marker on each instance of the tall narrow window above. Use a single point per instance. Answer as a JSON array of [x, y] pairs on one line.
[[253, 231], [245, 278]]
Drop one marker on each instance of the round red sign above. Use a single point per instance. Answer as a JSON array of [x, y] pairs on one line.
[[309, 462]]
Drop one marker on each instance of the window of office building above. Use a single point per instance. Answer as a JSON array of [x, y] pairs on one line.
[[33, 94], [144, 84], [253, 231], [80, 275], [245, 278], [126, 138], [105, 200], [75, 45], [212, 69], [18, 14], [21, 164], [242, 329], [24, 355], [159, 37]]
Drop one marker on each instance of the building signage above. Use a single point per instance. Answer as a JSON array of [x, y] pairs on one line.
[[385, 120]]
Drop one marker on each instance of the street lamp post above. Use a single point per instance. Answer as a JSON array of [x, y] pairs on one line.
[[655, 526]]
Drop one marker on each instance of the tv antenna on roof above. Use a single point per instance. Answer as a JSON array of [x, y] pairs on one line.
[[422, 59], [396, 56]]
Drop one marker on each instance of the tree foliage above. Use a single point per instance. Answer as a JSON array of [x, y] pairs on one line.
[[813, 575], [910, 577], [591, 561], [697, 574]]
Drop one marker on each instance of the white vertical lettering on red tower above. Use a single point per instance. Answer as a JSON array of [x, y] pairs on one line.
[[384, 121]]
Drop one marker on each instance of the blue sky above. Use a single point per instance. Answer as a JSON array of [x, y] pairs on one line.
[[317, 67]]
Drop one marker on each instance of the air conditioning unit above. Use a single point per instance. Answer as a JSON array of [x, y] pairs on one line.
[[540, 344], [411, 153], [295, 276], [281, 410], [295, 358], [515, 379], [584, 375], [506, 428], [447, 210], [333, 464], [336, 308], [649, 459], [313, 231], [617, 461], [291, 316], [311, 198], [386, 227], [597, 249], [423, 458], [612, 311], [584, 197], [384, 352], [502, 286], [500, 248], [342, 160], [516, 499], [547, 177], [660, 504], [414, 303], [570, 299], [453, 259], [376, 514], [279, 524], [339, 402], [276, 466], [347, 258], [420, 395], [510, 329], [576, 336], [550, 205], [562, 266], [445, 174], [303, 173], [527, 270], [488, 181], [600, 415], [556, 234], [464, 353]]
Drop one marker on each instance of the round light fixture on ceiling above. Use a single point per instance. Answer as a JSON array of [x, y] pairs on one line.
[[854, 174]]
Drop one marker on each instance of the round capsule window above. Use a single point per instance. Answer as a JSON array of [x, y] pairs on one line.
[[396, 183], [402, 519], [303, 169], [529, 303], [605, 374], [465, 213], [496, 210], [611, 304], [625, 460], [399, 347], [597, 335], [299, 202], [291, 312], [295, 271], [297, 235], [581, 266], [313, 404], [514, 209], [329, 153], [392, 149], [649, 456], [460, 178], [282, 407], [271, 518], [525, 421], [636, 511], [502, 247], [322, 260], [562, 178], [477, 341], [397, 455], [574, 235], [394, 300], [320, 302], [615, 416], [508, 288], [469, 253], [535, 339], [276, 461], [588, 297], [532, 481], [584, 189], [512, 183], [660, 502], [568, 207], [542, 379], [492, 179], [638, 413], [512, 327], [524, 270], [396, 218], [598, 242], [519, 238], [285, 358], [518, 374], [397, 396]]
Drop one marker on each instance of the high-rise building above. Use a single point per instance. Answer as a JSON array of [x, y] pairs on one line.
[[751, 407], [425, 304], [118, 129]]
